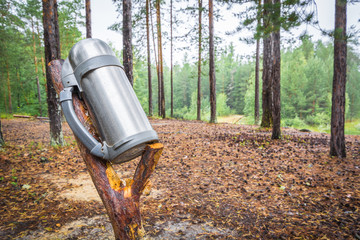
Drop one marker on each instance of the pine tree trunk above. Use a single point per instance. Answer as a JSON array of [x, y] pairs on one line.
[[148, 58], [36, 69], [257, 62], [88, 18], [171, 62], [42, 57], [18, 84], [276, 111], [337, 140], [266, 120], [212, 78], [39, 94], [2, 141], [127, 38], [161, 72], [256, 110], [198, 117], [156, 60], [8, 87], [52, 51]]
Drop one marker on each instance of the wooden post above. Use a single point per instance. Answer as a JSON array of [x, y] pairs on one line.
[[121, 201]]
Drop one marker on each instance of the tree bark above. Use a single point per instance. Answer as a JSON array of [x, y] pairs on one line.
[[212, 78], [36, 68], [148, 57], [198, 117], [2, 141], [127, 38], [171, 62], [52, 51], [156, 59], [121, 201], [18, 84], [8, 86], [42, 56], [337, 140], [257, 62], [161, 69], [266, 120], [276, 111], [88, 18]]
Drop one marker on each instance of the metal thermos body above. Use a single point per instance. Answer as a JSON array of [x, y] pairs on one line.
[[119, 117]]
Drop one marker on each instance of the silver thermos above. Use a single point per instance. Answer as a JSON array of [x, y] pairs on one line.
[[95, 73]]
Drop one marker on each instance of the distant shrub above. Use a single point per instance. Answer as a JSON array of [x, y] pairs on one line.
[[318, 119], [222, 109], [293, 122]]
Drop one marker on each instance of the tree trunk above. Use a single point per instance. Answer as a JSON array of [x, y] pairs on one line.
[[52, 51], [18, 85], [198, 117], [257, 62], [42, 57], [212, 79], [156, 60], [337, 141], [39, 94], [8, 87], [266, 77], [161, 72], [36, 68], [256, 115], [171, 62], [127, 38], [2, 141], [276, 111], [88, 18], [148, 57], [121, 201]]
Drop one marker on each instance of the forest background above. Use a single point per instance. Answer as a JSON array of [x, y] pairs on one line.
[[306, 68]]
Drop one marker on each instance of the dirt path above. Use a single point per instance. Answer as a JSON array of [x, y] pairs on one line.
[[213, 181]]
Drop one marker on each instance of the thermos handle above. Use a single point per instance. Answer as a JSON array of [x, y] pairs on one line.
[[79, 130]]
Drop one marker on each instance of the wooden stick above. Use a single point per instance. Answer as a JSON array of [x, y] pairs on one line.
[[121, 201], [25, 116]]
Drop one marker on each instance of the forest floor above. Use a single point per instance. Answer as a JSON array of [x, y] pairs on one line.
[[214, 181]]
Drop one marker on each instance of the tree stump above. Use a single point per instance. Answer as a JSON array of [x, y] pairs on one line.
[[121, 201]]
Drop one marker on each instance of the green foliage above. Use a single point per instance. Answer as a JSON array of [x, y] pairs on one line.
[[306, 72], [21, 42], [318, 118], [293, 122], [222, 109]]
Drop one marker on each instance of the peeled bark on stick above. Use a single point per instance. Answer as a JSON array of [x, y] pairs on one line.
[[121, 202]]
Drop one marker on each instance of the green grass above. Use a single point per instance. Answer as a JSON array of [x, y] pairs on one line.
[[6, 116], [351, 128]]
